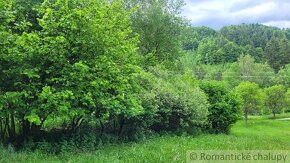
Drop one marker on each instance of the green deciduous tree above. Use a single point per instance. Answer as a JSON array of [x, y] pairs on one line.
[[275, 98], [287, 101], [252, 97], [159, 26], [81, 65]]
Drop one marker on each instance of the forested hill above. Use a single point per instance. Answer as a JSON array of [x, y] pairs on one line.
[[256, 35], [264, 43]]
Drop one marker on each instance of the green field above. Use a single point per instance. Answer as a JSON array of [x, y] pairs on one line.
[[261, 133]]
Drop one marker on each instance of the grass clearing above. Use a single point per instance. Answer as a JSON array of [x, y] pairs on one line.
[[261, 133]]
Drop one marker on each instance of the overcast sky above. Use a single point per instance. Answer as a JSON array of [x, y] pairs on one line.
[[218, 13]]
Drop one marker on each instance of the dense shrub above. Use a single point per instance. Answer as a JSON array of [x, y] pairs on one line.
[[172, 103], [225, 108]]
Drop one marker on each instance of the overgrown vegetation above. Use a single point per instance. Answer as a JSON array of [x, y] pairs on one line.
[[77, 74], [260, 134]]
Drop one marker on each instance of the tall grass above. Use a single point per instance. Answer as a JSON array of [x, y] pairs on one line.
[[260, 133]]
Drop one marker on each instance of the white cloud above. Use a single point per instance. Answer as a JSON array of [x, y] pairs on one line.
[[217, 13], [256, 10], [280, 24]]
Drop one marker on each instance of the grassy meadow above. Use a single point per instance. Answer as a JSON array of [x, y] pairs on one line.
[[261, 133]]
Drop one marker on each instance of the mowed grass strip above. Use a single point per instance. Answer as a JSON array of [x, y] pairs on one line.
[[259, 134]]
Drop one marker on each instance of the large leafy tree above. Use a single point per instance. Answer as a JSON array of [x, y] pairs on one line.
[[159, 26], [77, 61]]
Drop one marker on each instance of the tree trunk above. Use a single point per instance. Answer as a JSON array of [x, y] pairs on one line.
[[5, 128], [246, 117], [102, 127], [1, 131], [25, 128], [114, 126], [12, 128], [122, 122], [8, 127], [35, 129]]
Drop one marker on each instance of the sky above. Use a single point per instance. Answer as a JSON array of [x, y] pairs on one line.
[[218, 13]]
